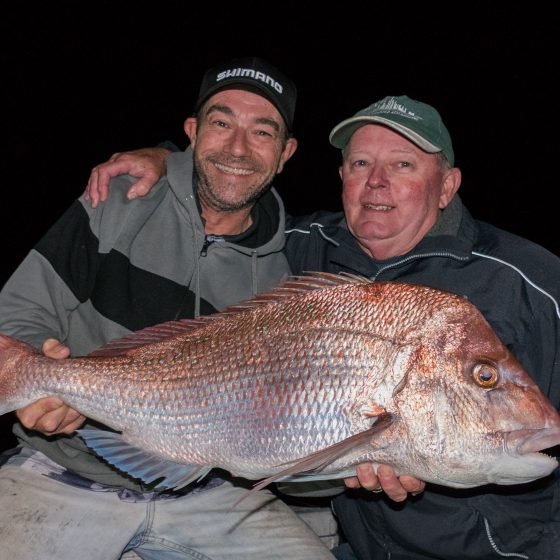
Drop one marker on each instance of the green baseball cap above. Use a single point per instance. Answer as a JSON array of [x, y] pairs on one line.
[[417, 121]]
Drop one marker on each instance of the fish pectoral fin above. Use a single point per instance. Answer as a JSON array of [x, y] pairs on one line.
[[141, 464], [372, 410], [320, 459]]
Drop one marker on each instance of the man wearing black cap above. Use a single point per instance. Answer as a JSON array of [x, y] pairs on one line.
[[209, 235]]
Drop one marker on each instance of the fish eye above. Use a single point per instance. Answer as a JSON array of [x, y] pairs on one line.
[[485, 375]]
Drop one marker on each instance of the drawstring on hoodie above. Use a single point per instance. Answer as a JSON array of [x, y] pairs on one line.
[[206, 242], [191, 205], [255, 287]]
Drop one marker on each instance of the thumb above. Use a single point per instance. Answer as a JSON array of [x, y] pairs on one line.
[[139, 188], [52, 348]]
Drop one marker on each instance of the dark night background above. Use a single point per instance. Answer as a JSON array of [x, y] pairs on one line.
[[82, 80]]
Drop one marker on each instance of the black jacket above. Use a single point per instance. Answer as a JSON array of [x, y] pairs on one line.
[[516, 285]]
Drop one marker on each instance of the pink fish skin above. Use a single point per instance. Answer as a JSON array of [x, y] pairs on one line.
[[303, 383]]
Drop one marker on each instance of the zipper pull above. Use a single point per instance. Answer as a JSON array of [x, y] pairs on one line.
[[208, 240], [205, 245]]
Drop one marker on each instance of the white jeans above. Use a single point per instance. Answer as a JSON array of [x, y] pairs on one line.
[[41, 517]]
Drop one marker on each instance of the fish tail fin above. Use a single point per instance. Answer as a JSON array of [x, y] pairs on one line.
[[12, 351]]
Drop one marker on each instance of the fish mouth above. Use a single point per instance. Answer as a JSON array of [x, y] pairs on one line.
[[524, 459], [527, 441]]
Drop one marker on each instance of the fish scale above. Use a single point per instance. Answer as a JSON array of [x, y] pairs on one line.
[[302, 383]]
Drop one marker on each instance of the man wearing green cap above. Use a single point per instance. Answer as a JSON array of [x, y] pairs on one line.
[[418, 122], [403, 221]]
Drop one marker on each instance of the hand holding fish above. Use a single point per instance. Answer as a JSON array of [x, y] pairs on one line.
[[50, 415], [396, 488]]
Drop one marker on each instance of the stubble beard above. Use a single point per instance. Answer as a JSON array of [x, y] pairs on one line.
[[213, 190]]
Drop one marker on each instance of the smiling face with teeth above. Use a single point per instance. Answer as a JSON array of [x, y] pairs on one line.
[[240, 143], [392, 190]]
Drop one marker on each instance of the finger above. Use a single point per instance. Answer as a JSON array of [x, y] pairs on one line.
[[352, 482], [71, 422], [412, 485], [142, 187], [30, 416], [109, 170], [52, 348], [50, 422], [136, 190], [63, 420], [92, 195], [367, 477], [391, 484]]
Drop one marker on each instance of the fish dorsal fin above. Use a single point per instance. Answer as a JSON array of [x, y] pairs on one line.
[[149, 335], [310, 281], [293, 285]]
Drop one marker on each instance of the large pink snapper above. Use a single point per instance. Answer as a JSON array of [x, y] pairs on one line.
[[302, 384]]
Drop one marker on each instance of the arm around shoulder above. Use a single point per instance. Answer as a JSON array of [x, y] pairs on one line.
[[147, 164]]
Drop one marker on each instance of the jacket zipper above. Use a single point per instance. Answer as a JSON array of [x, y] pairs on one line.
[[419, 256], [208, 240]]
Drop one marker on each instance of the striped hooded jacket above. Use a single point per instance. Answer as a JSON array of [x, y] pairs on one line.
[[99, 274]]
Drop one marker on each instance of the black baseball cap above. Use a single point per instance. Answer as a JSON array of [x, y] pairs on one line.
[[256, 75]]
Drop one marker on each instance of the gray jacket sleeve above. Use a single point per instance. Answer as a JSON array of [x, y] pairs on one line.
[[35, 302]]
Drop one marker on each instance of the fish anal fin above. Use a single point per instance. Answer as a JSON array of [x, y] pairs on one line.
[[139, 464]]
